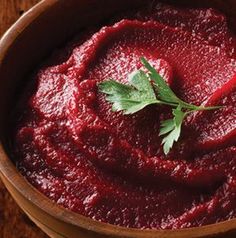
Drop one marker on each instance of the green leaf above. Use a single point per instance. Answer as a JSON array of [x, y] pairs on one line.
[[166, 126], [165, 93], [140, 92], [130, 98], [172, 128]]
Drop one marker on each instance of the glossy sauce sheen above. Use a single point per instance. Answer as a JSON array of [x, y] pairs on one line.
[[110, 167]]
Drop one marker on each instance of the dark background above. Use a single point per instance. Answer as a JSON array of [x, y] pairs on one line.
[[13, 223]]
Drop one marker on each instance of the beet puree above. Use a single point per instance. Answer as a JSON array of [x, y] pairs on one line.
[[111, 167]]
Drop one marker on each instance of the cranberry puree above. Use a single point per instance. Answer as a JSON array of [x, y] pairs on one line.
[[110, 167]]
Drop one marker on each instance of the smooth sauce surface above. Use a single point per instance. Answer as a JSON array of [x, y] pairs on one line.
[[111, 167]]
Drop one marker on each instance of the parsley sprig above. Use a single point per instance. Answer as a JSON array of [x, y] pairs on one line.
[[145, 89]]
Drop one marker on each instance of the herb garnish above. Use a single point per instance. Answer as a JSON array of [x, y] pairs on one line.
[[150, 88]]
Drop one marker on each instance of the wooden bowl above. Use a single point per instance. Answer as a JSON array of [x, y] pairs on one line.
[[45, 27]]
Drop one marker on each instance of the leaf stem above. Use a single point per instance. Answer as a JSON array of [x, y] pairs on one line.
[[150, 88]]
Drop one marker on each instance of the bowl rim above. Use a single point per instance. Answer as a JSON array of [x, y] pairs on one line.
[[9, 171]]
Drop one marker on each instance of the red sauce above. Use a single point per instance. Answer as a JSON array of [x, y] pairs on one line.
[[111, 167]]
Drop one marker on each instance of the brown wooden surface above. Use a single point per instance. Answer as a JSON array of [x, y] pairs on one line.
[[13, 223]]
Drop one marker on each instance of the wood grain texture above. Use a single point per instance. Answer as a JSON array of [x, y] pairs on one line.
[[13, 222]]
